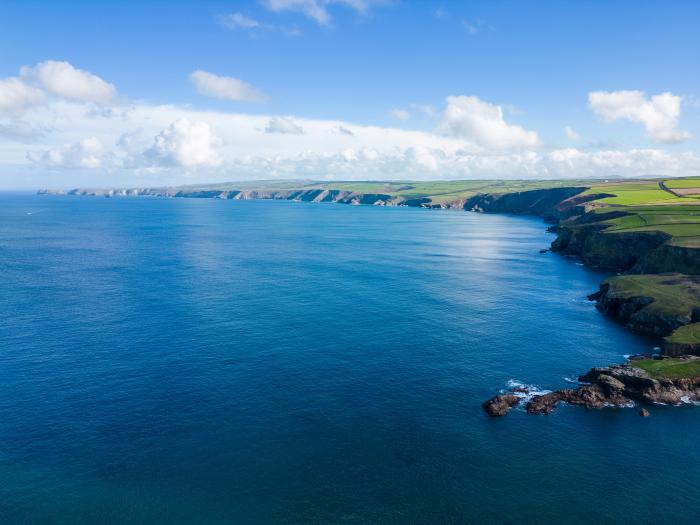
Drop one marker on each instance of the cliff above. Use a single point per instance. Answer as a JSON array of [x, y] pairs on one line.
[[552, 204], [298, 195]]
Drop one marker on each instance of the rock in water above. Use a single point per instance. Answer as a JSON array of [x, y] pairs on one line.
[[501, 404]]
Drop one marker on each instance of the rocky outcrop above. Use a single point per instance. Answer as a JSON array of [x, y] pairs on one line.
[[617, 386], [501, 404], [610, 386], [588, 396]]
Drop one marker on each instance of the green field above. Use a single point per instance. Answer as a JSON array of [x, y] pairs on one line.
[[674, 294], [688, 334], [624, 192], [671, 368], [444, 191], [683, 183], [633, 193]]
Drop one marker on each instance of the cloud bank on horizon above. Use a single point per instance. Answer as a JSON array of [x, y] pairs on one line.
[[61, 124]]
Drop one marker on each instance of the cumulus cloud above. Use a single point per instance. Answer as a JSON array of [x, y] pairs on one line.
[[185, 143], [165, 144], [422, 162], [65, 81], [283, 125], [400, 114], [483, 123], [86, 154], [52, 78], [15, 94], [659, 114], [318, 9], [571, 134], [226, 88]]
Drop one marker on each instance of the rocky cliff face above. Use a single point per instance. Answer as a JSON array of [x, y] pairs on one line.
[[633, 311], [552, 204], [669, 258], [310, 195], [665, 305], [610, 251]]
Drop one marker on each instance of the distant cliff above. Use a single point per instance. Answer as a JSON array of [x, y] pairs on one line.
[[553, 204], [581, 233], [308, 195]]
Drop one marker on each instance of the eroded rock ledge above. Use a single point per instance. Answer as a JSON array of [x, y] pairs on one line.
[[613, 386]]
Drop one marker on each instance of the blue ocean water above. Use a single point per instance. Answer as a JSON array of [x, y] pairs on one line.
[[206, 361]]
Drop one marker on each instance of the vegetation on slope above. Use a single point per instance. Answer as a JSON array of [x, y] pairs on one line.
[[673, 294], [671, 368]]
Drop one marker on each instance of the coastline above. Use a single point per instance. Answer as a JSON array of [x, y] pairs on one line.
[[638, 259]]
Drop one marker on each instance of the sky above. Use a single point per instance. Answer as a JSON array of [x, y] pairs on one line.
[[152, 93]]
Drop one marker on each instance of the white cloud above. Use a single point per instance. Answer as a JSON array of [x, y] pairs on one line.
[[659, 115], [185, 143], [238, 21], [221, 87], [283, 125], [51, 78], [86, 154], [15, 94], [421, 162], [65, 81], [400, 114], [318, 9], [571, 134], [185, 150], [474, 119]]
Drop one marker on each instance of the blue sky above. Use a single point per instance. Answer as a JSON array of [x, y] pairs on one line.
[[383, 67]]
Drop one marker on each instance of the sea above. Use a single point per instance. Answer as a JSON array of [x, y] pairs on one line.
[[204, 361]]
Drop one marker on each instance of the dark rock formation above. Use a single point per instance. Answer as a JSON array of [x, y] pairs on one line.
[[612, 386], [589, 396], [501, 404]]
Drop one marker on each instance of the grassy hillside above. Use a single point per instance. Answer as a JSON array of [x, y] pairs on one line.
[[670, 368], [674, 295]]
